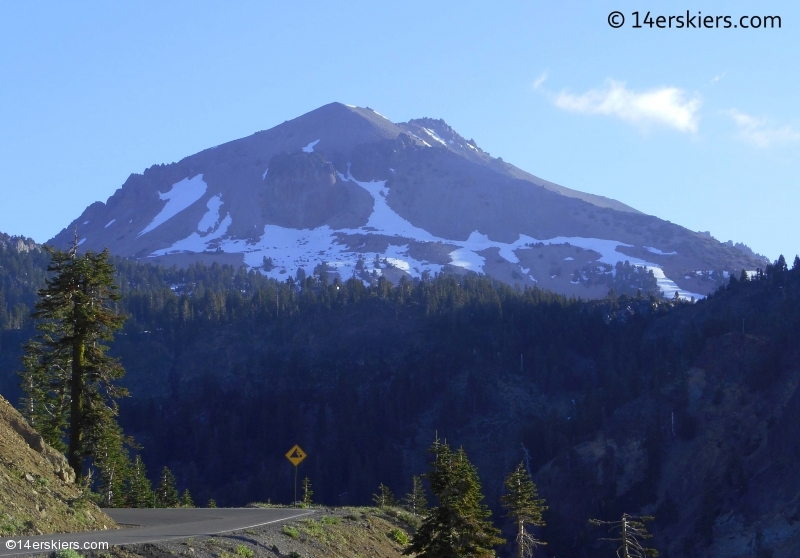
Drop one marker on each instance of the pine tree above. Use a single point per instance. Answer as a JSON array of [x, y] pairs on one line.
[[743, 276], [212, 503], [167, 493], [68, 379], [459, 526], [307, 492], [522, 504], [384, 498], [138, 490], [630, 532], [186, 499], [113, 465], [415, 500]]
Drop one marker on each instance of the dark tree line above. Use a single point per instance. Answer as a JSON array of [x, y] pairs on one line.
[[229, 369]]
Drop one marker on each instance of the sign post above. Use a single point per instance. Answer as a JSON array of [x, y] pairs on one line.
[[296, 456]]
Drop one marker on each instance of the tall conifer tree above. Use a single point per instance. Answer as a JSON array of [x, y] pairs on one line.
[[167, 493], [459, 526], [139, 491], [384, 498], [113, 465], [68, 378], [630, 532], [523, 505], [415, 500]]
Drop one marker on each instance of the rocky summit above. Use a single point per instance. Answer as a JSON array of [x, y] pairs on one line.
[[343, 190]]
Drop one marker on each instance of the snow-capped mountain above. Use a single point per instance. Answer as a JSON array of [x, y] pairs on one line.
[[344, 189]]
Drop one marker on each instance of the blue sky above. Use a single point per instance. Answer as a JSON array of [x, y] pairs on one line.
[[698, 126]]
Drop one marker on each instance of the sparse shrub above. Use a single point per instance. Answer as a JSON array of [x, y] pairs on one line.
[[67, 553], [294, 554], [311, 527], [244, 552], [399, 536], [10, 526], [291, 531], [330, 520], [411, 520]]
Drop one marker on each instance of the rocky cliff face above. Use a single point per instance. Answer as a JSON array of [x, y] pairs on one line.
[[343, 184], [37, 490]]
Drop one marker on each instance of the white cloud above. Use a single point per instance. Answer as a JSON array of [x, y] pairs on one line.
[[668, 106], [540, 80], [718, 77], [755, 131]]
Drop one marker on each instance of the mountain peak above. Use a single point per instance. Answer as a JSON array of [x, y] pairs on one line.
[[343, 185]]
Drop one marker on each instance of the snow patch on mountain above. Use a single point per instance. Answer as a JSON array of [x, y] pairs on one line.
[[111, 222], [432, 134], [196, 242], [290, 249], [181, 195], [467, 259], [307, 149], [668, 286], [211, 218], [384, 220], [659, 252]]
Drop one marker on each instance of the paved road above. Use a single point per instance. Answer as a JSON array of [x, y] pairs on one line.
[[152, 525]]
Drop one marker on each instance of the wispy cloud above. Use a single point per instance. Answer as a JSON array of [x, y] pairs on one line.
[[718, 77], [756, 131], [667, 106], [540, 80]]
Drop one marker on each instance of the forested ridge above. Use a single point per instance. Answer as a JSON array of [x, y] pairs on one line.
[[611, 399]]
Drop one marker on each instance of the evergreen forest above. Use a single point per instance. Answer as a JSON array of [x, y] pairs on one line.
[[611, 404]]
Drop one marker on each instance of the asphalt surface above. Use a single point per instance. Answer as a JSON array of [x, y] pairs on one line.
[[154, 525]]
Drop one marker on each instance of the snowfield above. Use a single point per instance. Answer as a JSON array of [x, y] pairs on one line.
[[291, 249], [181, 195], [307, 149], [209, 221]]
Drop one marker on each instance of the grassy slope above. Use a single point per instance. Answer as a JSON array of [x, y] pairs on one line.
[[33, 497]]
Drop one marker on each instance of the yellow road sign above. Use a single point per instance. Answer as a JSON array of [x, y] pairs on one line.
[[296, 455]]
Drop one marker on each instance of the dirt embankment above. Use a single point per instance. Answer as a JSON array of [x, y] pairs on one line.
[[37, 486]]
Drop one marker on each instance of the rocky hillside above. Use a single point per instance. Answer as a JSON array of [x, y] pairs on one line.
[[711, 451], [37, 490], [343, 189]]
